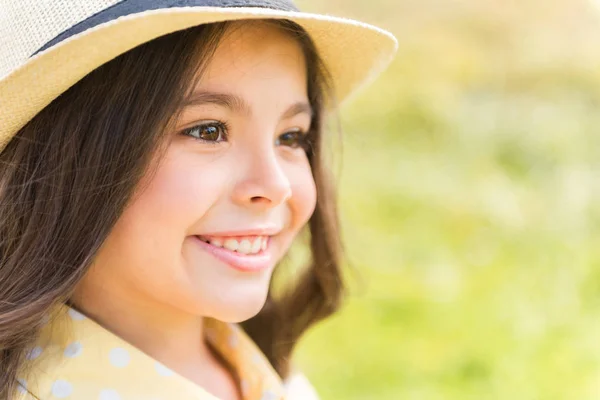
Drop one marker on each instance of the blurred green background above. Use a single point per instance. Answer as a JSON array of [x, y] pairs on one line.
[[471, 205]]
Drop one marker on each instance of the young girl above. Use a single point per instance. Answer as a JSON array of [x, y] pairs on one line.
[[158, 159]]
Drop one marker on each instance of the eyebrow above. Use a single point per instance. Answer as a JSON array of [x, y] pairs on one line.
[[238, 104]]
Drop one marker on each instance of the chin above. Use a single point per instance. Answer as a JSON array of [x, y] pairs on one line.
[[239, 313], [238, 306]]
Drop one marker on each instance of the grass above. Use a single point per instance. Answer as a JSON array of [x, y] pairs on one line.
[[470, 193]]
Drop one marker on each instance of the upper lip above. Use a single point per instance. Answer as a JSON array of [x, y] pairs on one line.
[[258, 231]]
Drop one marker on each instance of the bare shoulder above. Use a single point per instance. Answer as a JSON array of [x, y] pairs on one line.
[[298, 387]]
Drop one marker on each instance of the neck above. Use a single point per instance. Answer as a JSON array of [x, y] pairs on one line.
[[165, 333]]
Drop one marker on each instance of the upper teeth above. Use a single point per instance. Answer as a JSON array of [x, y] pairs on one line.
[[246, 245]]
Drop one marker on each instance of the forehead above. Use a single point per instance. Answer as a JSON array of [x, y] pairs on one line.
[[256, 53]]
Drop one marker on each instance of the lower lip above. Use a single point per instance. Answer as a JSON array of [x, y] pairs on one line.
[[241, 262]]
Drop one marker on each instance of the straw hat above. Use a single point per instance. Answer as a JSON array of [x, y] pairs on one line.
[[49, 45]]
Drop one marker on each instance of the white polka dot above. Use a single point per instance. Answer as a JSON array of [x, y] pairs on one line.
[[34, 353], [45, 319], [268, 395], [257, 358], [162, 370], [22, 388], [76, 315], [109, 394], [73, 350], [233, 340], [61, 389], [119, 357], [245, 386]]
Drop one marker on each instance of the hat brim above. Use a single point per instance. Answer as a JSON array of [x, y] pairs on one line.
[[354, 53]]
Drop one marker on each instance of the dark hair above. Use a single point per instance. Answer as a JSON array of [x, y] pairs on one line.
[[68, 174]]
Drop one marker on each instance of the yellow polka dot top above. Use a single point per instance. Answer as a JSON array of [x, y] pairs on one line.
[[76, 358]]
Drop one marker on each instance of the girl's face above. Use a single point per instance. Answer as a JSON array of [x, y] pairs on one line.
[[205, 230]]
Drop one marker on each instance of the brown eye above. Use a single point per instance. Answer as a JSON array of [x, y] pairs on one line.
[[209, 132], [293, 139]]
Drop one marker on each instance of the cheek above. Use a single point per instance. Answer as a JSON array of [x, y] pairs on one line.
[[304, 195], [176, 195], [163, 211]]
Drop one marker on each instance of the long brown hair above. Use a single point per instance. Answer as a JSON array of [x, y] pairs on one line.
[[69, 173]]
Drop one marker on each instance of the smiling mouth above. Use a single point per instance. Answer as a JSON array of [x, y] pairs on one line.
[[247, 245], [249, 254]]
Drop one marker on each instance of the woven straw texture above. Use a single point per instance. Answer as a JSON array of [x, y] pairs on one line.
[[25, 26]]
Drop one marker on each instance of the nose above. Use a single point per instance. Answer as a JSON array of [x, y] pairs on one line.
[[263, 182]]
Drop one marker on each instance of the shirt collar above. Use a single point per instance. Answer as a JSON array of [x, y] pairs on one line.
[[77, 358]]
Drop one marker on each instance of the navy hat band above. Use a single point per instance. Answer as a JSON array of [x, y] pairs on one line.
[[127, 7]]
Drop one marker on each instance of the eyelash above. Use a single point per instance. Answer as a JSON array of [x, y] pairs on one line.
[[304, 138], [220, 125]]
